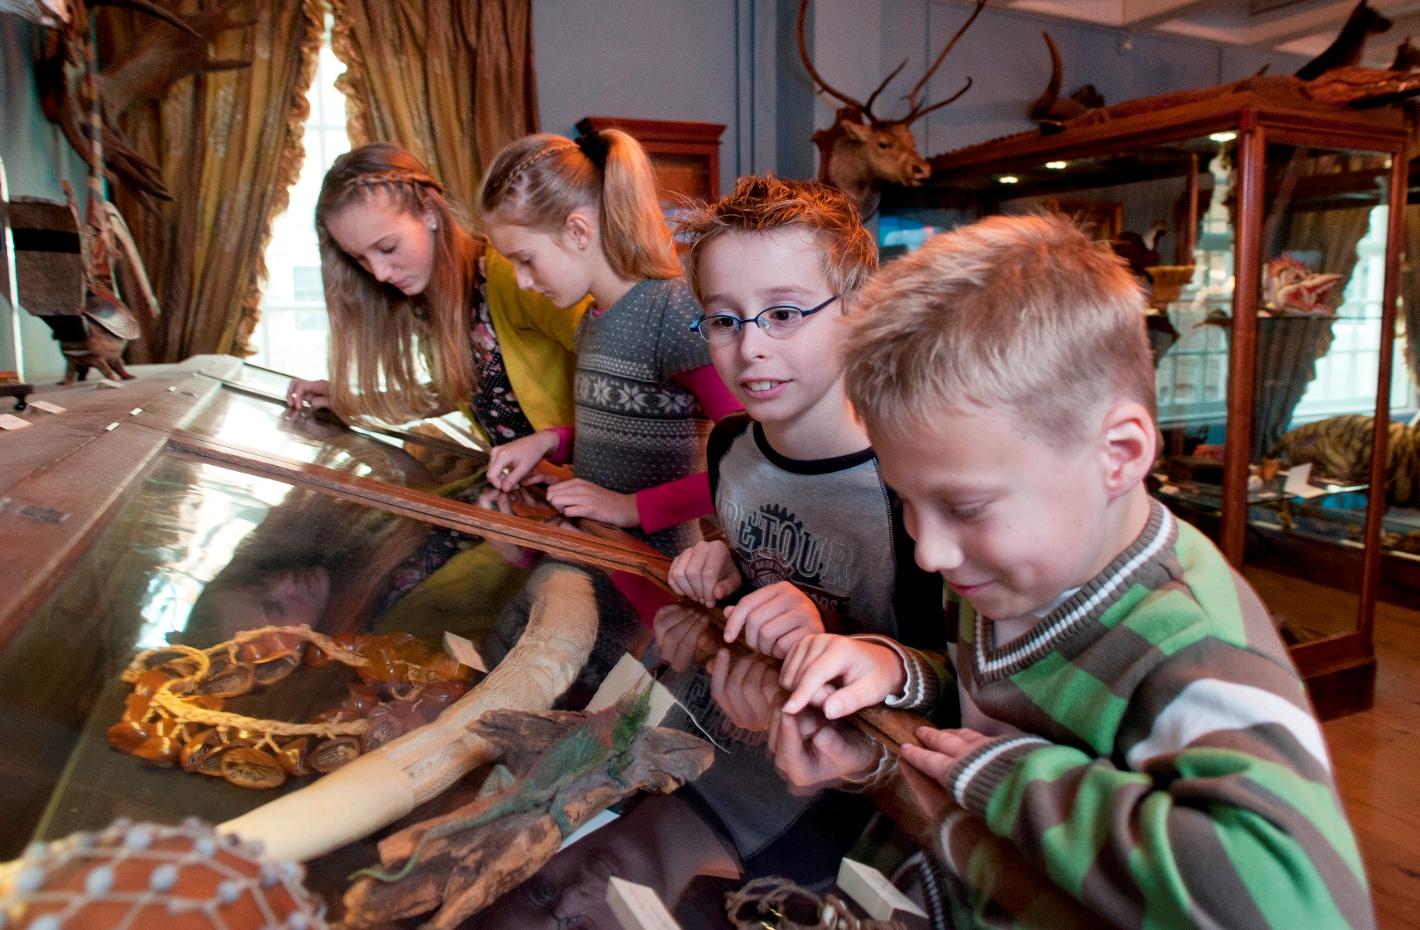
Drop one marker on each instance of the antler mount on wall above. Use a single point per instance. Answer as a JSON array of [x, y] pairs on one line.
[[861, 152]]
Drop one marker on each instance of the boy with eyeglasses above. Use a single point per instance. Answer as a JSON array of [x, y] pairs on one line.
[[814, 539]]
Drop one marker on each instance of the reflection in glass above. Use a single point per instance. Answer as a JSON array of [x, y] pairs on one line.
[[198, 553]]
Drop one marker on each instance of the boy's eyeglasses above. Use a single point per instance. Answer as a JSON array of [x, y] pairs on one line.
[[778, 321]]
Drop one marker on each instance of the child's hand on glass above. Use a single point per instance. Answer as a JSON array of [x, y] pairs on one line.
[[812, 753], [683, 636], [704, 573], [580, 498], [839, 675], [940, 750], [511, 462], [774, 618], [746, 688]]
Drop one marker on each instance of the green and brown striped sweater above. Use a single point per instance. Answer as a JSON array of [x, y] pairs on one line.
[[1168, 772]]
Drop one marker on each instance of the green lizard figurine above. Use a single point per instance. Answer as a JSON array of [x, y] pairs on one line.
[[604, 737]]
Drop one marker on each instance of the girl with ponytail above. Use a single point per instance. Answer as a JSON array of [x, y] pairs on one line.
[[583, 218]]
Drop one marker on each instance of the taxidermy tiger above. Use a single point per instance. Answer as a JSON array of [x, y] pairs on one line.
[[1340, 448]]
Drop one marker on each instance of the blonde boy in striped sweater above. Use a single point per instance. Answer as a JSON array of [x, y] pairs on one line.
[[1137, 749]]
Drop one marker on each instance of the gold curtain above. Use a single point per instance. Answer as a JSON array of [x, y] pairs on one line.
[[229, 146], [451, 82]]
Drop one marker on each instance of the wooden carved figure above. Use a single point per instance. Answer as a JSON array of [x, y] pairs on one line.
[[141, 72], [97, 338], [861, 152]]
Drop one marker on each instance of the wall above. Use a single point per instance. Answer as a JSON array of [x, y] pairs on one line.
[[735, 62], [37, 158]]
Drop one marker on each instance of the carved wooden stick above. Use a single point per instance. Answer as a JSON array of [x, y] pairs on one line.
[[462, 873], [380, 787]]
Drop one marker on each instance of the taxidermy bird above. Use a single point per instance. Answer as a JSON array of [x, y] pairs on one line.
[[1364, 22], [1292, 288], [1140, 252], [1051, 111], [603, 739]]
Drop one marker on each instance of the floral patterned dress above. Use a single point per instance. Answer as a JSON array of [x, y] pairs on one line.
[[493, 402]]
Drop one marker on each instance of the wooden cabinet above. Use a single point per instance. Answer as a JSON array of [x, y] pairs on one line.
[[686, 155], [1267, 227]]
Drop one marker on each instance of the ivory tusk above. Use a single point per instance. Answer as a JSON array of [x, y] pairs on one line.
[[382, 786]]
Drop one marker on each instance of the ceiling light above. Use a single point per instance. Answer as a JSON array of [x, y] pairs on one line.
[[1057, 165], [1008, 179], [1223, 136]]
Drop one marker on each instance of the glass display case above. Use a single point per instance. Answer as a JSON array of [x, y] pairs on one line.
[[186, 509], [1266, 229]]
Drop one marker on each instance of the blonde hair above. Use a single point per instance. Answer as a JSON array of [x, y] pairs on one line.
[[539, 180], [377, 334], [1021, 313], [764, 204]]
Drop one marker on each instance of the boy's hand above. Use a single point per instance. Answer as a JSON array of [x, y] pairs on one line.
[[509, 463], [580, 498], [811, 752], [704, 573], [745, 688], [683, 636], [940, 750], [839, 675], [773, 618]]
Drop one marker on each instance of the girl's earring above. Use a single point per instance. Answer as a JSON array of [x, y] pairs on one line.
[[433, 225]]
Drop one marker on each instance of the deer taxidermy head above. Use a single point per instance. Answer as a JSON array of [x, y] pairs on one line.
[[861, 151], [1345, 50]]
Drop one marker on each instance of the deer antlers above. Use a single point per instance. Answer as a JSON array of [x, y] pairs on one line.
[[916, 110]]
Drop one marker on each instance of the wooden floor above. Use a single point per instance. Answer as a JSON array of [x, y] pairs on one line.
[[1377, 758]]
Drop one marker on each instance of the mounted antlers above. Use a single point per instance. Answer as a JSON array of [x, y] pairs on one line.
[[861, 152]]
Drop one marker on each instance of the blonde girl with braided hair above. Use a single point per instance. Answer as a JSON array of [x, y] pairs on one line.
[[579, 218], [405, 283]]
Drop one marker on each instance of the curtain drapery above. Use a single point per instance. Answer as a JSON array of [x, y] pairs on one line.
[[451, 82], [229, 146]]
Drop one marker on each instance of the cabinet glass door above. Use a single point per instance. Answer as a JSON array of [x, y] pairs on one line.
[[1318, 352]]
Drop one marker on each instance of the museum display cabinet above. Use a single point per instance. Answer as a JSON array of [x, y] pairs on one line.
[[1266, 228], [149, 520]]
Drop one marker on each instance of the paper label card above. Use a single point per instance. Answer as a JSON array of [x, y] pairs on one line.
[[464, 651], [1299, 482], [10, 421], [637, 907], [871, 890], [626, 676], [46, 406]]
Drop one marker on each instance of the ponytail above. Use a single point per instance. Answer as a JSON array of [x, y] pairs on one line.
[[539, 180]]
